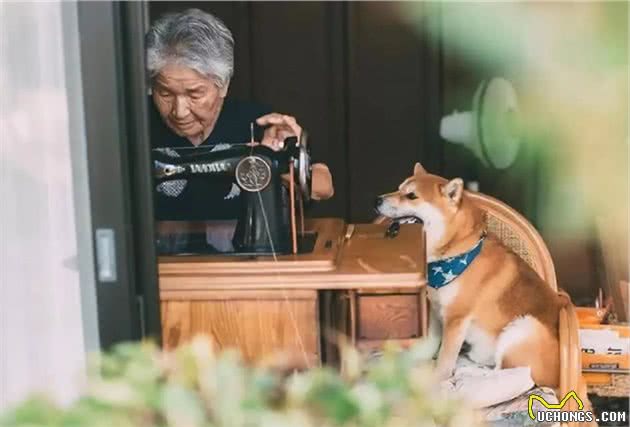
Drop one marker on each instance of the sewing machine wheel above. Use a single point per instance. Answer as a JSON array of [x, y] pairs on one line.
[[304, 167]]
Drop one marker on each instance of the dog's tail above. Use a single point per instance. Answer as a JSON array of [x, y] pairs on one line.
[[564, 298]]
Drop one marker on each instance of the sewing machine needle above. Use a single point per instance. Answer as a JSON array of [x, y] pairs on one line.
[[251, 132]]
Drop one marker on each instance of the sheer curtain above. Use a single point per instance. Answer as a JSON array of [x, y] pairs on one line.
[[45, 254]]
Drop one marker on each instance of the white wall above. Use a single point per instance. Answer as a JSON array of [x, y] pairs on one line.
[[47, 299]]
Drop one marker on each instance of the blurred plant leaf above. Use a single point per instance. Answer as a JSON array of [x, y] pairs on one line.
[[137, 385]]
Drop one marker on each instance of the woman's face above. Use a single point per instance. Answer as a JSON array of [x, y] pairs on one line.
[[188, 102]]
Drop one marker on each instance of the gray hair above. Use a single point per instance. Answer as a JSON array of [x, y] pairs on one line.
[[192, 38]]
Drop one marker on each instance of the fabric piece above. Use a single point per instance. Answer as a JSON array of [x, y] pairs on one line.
[[479, 385], [502, 396], [444, 271], [514, 412]]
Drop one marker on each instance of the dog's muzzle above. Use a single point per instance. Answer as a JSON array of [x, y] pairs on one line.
[[379, 204]]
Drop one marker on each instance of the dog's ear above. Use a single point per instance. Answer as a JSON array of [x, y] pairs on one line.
[[453, 191], [418, 169]]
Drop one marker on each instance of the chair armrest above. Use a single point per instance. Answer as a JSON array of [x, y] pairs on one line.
[[565, 349], [570, 353]]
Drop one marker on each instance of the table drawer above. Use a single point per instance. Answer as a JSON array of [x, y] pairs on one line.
[[388, 316]]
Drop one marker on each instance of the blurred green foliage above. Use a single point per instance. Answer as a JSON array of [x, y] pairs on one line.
[[137, 384], [569, 64]]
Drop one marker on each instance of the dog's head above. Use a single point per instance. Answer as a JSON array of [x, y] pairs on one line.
[[436, 201], [423, 196]]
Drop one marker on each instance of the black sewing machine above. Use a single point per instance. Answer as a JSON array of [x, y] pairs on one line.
[[266, 223]]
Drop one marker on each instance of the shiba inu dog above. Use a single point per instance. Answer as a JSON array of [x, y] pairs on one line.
[[481, 293]]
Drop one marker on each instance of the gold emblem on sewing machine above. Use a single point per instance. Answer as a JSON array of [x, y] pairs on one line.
[[253, 173]]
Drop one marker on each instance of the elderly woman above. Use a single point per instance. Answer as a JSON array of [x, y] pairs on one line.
[[190, 61]]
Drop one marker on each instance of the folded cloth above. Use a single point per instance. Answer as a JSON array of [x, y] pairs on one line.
[[483, 386], [501, 395], [514, 413]]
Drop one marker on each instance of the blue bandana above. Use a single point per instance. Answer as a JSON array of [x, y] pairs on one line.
[[444, 271]]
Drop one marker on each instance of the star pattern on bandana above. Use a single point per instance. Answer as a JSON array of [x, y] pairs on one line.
[[449, 276], [444, 271]]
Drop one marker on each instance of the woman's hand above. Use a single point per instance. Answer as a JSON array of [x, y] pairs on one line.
[[322, 182], [280, 127]]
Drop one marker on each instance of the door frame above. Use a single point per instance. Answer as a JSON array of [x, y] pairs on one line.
[[119, 169]]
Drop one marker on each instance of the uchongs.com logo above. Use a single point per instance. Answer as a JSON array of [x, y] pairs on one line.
[[554, 412]]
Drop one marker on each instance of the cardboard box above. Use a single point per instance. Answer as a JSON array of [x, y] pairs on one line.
[[605, 351]]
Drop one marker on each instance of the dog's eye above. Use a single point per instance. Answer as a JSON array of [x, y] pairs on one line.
[[411, 196]]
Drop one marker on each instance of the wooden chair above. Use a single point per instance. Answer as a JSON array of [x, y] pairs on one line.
[[520, 236]]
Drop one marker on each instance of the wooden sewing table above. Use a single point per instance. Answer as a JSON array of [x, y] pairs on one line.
[[356, 280]]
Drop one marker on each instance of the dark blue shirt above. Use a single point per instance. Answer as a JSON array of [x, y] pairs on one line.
[[201, 199]]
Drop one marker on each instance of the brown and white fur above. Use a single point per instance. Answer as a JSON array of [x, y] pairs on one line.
[[498, 305]]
